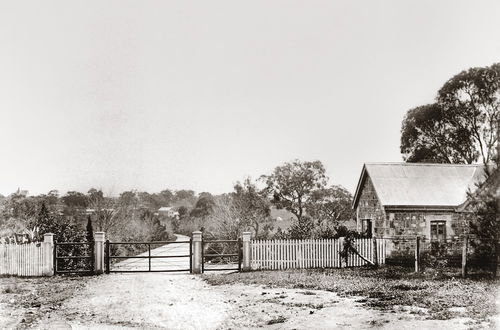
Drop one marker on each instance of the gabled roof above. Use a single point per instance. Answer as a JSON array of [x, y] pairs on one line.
[[421, 184]]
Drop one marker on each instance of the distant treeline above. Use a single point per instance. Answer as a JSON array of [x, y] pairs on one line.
[[300, 189]]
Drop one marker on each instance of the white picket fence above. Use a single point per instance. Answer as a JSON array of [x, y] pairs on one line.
[[23, 260], [312, 253]]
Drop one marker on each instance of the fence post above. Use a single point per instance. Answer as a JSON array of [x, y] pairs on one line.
[[464, 256], [197, 250], [107, 253], [48, 254], [99, 252], [341, 250], [417, 255], [497, 259], [375, 252], [246, 250]]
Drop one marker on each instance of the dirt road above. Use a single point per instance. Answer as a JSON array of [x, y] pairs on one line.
[[157, 300], [184, 301], [152, 300], [176, 252]]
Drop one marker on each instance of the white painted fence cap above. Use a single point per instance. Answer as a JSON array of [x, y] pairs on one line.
[[48, 237], [99, 236], [197, 236]]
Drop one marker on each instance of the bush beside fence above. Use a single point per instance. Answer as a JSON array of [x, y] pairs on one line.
[[466, 254]]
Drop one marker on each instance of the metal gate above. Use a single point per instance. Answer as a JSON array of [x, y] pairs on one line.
[[220, 255], [136, 264], [74, 258]]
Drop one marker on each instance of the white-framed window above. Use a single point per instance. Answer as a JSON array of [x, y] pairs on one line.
[[438, 230]]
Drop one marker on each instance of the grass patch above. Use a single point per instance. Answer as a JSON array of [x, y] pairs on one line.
[[279, 319], [385, 288], [11, 288], [33, 298]]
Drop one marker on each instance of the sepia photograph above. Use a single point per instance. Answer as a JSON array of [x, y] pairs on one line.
[[320, 164]]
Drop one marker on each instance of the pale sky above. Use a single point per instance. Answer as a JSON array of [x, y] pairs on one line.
[[197, 95]]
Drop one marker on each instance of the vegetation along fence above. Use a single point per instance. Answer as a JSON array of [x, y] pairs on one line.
[[24, 259], [316, 253]]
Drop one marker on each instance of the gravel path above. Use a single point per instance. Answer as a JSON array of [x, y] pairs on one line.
[[173, 249], [153, 300], [167, 301]]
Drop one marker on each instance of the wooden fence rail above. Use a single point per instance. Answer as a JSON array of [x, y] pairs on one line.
[[313, 253], [23, 260]]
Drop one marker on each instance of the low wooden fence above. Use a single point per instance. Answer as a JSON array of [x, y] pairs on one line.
[[314, 253], [23, 260]]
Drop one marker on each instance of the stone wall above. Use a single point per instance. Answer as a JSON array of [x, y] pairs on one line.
[[369, 207], [405, 226], [412, 223], [400, 228]]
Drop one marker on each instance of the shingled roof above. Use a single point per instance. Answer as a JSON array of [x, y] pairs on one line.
[[421, 185]]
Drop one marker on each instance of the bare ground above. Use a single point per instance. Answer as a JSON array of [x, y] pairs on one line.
[[158, 300], [24, 301]]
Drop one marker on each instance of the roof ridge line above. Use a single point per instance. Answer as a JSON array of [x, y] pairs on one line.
[[422, 164]]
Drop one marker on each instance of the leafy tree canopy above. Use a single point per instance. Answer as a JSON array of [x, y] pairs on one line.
[[184, 194], [203, 206], [428, 135], [183, 212], [293, 184], [461, 126], [75, 199], [331, 205], [253, 208], [95, 195]]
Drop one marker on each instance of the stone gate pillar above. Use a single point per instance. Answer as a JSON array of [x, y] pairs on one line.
[[99, 252], [246, 265], [48, 254], [197, 252]]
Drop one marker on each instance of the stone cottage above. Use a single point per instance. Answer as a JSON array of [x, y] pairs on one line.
[[403, 200]]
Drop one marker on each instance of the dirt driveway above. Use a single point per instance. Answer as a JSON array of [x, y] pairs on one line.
[[152, 300], [186, 302]]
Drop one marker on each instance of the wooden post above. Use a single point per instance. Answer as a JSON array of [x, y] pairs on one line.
[[417, 255], [497, 259], [246, 251], [375, 252], [149, 257], [190, 255], [99, 252], [197, 252], [464, 256], [240, 253], [48, 254], [497, 242]]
